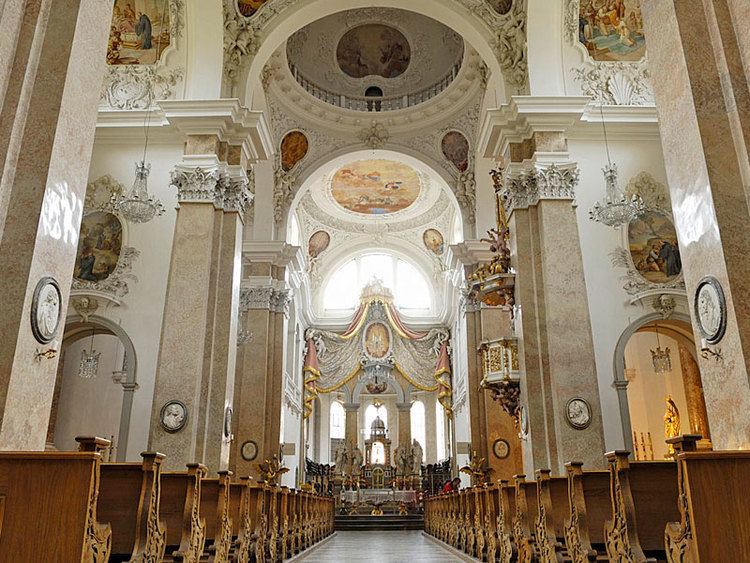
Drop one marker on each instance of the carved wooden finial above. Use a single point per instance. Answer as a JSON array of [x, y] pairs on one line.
[[92, 444]]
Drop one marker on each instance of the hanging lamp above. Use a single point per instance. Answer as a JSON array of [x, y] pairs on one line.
[[661, 358], [138, 205], [89, 366], [617, 208]]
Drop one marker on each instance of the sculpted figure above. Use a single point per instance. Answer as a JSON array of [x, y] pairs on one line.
[[357, 458], [341, 458], [416, 457]]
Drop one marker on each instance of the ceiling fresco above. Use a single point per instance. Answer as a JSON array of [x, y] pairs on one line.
[[375, 187]]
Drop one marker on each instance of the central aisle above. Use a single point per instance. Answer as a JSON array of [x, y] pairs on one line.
[[381, 547]]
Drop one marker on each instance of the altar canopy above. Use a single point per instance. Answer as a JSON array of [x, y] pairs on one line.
[[377, 341]]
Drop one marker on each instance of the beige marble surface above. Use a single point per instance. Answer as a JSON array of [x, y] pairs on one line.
[[702, 101], [46, 133]]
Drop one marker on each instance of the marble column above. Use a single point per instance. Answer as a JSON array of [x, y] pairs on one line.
[[185, 358], [218, 422], [52, 57], [351, 424], [404, 425], [259, 379], [698, 58], [430, 453], [553, 326]]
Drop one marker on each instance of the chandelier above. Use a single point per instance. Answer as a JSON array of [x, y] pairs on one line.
[[138, 206], [660, 357], [89, 366], [617, 208]]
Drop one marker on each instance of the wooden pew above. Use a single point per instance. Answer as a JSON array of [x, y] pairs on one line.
[[590, 507], [180, 511], [215, 508], [477, 494], [129, 499], [644, 499], [506, 510], [48, 507], [552, 509], [525, 517], [242, 506], [489, 500], [713, 505]]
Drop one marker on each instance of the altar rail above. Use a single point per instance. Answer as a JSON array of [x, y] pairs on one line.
[[70, 506], [689, 510]]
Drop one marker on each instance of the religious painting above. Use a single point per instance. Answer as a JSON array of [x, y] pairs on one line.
[[433, 240], [502, 7], [612, 30], [455, 148], [375, 187], [139, 33], [99, 246], [373, 50], [377, 340], [248, 7], [653, 246], [294, 147], [318, 243]]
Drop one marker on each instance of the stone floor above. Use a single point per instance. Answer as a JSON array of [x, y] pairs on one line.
[[381, 547]]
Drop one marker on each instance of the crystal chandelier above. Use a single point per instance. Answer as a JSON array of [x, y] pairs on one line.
[[617, 208], [89, 366], [138, 206], [660, 357]]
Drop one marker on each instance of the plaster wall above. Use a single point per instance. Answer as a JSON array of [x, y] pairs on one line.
[[89, 407], [141, 311]]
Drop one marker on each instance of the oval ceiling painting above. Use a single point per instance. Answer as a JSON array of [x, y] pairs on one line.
[[99, 246], [375, 187], [373, 50], [653, 246], [248, 7], [456, 149], [294, 147], [377, 340], [318, 243]]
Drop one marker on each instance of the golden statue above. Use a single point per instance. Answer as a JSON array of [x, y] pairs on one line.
[[477, 469], [271, 469], [671, 423]]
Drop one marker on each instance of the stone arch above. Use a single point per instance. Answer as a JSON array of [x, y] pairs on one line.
[[76, 328], [402, 395], [450, 13], [620, 382]]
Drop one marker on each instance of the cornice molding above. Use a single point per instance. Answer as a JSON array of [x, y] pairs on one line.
[[578, 117]]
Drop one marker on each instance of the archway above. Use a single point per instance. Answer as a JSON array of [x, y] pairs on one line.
[[94, 406], [655, 361]]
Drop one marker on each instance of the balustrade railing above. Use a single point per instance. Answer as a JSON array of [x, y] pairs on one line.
[[375, 103]]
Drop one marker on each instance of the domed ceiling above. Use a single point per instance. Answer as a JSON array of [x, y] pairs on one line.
[[392, 51]]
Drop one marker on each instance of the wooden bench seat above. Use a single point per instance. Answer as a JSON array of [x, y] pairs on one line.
[[525, 518], [552, 510], [180, 511], [713, 505], [644, 500], [590, 507], [215, 509], [506, 510], [48, 508], [129, 499]]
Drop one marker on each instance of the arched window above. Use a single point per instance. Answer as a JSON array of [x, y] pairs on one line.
[[338, 419], [410, 288], [370, 413], [294, 238], [440, 430], [418, 431]]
